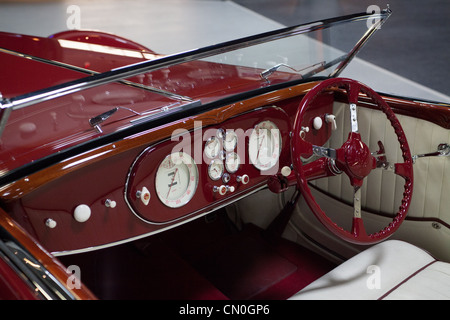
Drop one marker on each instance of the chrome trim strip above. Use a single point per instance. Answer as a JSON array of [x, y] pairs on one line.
[[379, 21], [92, 72], [33, 272]]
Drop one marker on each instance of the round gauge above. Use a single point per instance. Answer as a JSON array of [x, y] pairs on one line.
[[264, 145], [232, 162], [212, 147], [230, 141], [215, 169], [176, 179]]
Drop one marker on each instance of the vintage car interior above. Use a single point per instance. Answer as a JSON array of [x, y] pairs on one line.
[[246, 170]]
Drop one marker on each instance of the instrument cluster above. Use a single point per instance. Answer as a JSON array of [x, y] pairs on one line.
[[201, 169]]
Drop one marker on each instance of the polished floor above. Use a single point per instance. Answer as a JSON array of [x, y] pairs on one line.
[[408, 56]]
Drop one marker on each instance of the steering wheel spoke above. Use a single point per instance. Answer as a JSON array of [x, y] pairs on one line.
[[404, 170], [353, 89]]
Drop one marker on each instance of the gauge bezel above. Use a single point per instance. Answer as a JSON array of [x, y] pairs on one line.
[[226, 142], [276, 152], [210, 167], [216, 152], [238, 162], [192, 183]]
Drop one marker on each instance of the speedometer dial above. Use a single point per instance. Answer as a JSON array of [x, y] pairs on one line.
[[176, 179], [264, 145]]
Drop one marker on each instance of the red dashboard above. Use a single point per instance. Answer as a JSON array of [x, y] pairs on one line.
[[124, 192]]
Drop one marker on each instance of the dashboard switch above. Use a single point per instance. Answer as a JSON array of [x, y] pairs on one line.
[[223, 189], [50, 223], [82, 213], [110, 203], [330, 118], [244, 179], [144, 195]]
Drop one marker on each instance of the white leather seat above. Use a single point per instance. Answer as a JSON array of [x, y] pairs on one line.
[[390, 270]]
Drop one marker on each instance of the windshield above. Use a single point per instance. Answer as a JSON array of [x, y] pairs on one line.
[[78, 108]]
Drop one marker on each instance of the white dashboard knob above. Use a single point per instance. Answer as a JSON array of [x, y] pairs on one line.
[[286, 171], [82, 213], [50, 223]]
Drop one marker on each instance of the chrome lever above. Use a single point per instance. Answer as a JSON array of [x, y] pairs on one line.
[[324, 152], [443, 150]]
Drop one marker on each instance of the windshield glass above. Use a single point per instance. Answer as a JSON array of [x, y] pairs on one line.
[[77, 108]]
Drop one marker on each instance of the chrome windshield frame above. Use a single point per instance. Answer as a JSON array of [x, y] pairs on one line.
[[119, 74]]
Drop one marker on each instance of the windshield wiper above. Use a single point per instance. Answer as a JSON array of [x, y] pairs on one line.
[[268, 72], [96, 121]]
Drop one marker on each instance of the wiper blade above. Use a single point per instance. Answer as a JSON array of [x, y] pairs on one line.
[[96, 121], [268, 72]]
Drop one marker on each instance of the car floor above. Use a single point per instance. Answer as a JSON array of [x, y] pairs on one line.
[[205, 259]]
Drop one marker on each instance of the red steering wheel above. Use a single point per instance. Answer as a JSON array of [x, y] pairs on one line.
[[353, 158]]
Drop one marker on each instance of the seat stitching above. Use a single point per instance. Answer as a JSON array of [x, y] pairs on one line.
[[406, 279]]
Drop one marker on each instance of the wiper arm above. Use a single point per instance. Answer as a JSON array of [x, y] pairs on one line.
[[268, 72], [96, 121]]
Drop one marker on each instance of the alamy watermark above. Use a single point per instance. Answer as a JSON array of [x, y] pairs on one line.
[[260, 145], [375, 20], [74, 280], [374, 280], [74, 17]]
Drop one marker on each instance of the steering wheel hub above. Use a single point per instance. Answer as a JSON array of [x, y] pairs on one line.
[[357, 160]]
